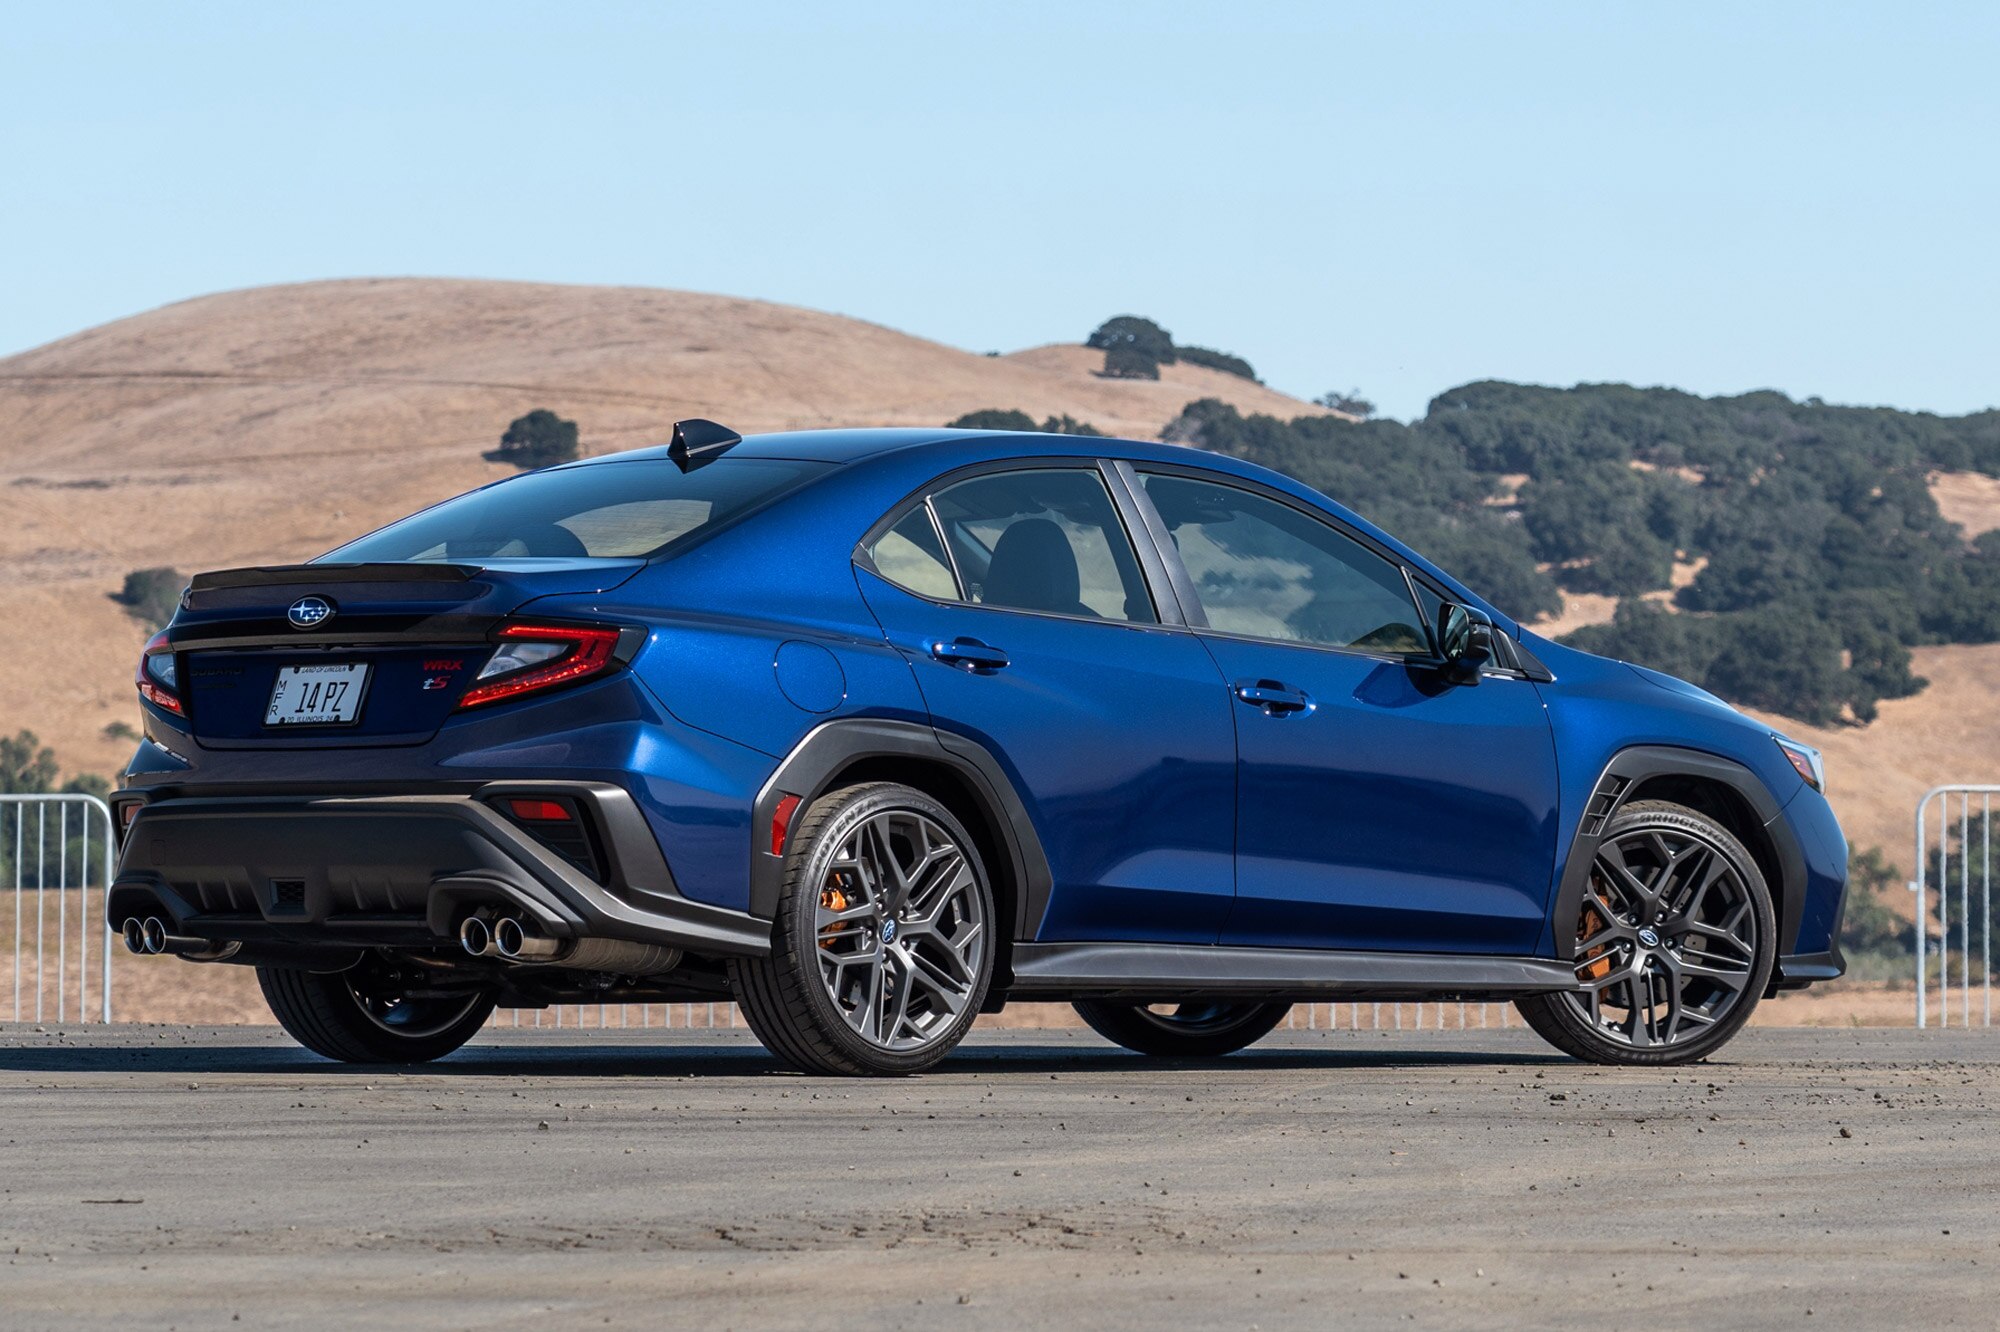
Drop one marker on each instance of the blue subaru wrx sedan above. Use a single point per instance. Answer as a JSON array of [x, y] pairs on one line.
[[877, 730]]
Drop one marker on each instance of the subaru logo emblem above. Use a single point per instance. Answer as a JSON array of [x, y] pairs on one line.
[[1649, 937], [888, 931], [309, 612]]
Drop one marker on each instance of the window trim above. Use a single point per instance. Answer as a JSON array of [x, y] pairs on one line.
[[1166, 610]]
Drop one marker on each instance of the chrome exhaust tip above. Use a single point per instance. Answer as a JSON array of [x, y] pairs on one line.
[[474, 937], [135, 935], [513, 942], [153, 935]]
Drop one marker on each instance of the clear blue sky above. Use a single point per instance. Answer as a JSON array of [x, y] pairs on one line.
[[1397, 196]]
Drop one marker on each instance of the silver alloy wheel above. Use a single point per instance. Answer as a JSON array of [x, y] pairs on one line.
[[900, 931], [1666, 940], [400, 1014]]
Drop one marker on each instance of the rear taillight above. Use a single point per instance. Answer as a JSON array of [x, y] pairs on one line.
[[156, 678], [535, 657]]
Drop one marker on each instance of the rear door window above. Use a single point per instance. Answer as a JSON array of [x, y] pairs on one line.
[[1045, 540]]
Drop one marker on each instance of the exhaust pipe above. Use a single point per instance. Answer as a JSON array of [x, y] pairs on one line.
[[513, 942], [150, 936], [475, 938]]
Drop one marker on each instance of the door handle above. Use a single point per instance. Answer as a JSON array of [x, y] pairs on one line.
[[969, 654], [1276, 699]]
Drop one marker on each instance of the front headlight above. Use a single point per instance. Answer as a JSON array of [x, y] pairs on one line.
[[1806, 760]]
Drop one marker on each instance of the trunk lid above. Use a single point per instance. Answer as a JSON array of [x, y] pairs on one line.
[[421, 631]]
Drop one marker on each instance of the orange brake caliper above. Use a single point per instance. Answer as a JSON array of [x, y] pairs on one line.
[[833, 899], [1596, 964]]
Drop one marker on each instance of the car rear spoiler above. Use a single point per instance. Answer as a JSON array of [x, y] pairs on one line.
[[282, 575]]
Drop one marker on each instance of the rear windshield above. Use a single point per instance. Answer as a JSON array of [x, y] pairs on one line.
[[606, 511]]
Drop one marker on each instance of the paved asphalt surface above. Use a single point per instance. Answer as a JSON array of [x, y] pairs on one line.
[[190, 1177]]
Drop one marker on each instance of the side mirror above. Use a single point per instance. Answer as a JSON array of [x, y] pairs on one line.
[[1465, 641]]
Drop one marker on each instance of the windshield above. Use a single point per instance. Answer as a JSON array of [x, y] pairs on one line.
[[606, 511]]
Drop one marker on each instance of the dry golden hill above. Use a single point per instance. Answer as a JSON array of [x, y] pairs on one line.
[[271, 424]]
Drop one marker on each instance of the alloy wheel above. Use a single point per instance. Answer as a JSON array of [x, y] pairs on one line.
[[900, 931], [1666, 939]]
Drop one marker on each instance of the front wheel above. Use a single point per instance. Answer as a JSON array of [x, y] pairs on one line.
[[1181, 1031], [1675, 941], [372, 1014]]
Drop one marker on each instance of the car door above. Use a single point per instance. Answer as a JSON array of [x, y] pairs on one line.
[[1018, 598], [1378, 806]]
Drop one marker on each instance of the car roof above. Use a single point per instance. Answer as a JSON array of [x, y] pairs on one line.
[[834, 446], [846, 446]]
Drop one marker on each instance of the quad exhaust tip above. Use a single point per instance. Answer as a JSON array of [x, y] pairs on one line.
[[505, 938], [513, 942], [475, 937], [149, 939]]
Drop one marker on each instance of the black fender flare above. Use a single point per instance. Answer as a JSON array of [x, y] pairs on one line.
[[1621, 776], [813, 763]]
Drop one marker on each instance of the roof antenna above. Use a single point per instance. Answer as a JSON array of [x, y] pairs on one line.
[[697, 441]]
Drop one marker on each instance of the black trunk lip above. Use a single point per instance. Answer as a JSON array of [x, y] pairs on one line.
[[299, 575]]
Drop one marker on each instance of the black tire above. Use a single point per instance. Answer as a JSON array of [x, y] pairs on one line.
[[360, 1017], [1191, 1031], [806, 1000], [1662, 924]]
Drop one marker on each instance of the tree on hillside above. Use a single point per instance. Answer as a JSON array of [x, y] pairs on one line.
[[1133, 347], [152, 595], [993, 418], [1136, 332], [1125, 362], [1350, 402], [1069, 425], [1216, 360], [1007, 418], [26, 766], [539, 439]]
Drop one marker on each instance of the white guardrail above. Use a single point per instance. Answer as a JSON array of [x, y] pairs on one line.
[[57, 855], [1963, 851]]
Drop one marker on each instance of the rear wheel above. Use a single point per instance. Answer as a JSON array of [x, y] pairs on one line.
[[882, 948], [1186, 1031], [372, 1014], [1675, 942]]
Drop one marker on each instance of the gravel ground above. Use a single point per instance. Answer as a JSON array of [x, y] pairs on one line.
[[189, 1177]]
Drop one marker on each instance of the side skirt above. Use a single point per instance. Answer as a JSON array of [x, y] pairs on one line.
[[1166, 973]]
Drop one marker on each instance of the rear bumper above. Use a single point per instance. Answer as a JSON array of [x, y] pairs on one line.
[[402, 869]]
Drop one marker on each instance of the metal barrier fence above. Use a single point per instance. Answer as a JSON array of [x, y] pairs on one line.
[[1960, 857], [57, 856]]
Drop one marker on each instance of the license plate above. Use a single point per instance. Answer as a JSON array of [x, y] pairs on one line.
[[316, 695]]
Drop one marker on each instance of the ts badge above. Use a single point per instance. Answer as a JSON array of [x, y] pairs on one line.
[[440, 681]]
